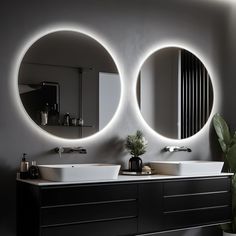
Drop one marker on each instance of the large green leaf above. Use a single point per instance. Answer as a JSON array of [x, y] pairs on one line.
[[222, 129], [233, 140], [222, 145], [231, 158]]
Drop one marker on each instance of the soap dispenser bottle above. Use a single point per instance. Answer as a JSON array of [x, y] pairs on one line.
[[24, 167], [34, 171]]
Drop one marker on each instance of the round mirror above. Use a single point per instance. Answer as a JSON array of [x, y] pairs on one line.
[[174, 93], [69, 84]]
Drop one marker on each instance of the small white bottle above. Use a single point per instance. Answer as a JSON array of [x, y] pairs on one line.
[[24, 167]]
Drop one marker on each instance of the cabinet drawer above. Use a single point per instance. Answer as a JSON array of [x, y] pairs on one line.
[[85, 194], [190, 186], [192, 201], [108, 228], [191, 218], [88, 212]]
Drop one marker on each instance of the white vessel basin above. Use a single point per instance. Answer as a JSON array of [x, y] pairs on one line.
[[79, 172], [187, 167]]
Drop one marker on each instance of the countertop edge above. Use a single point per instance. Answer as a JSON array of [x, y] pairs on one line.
[[121, 178]]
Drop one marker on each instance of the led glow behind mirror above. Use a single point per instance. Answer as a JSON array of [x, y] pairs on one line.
[[69, 72], [174, 93]]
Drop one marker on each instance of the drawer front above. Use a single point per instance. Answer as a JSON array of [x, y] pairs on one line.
[[196, 202], [88, 212], [51, 196], [192, 201], [203, 185], [191, 218], [108, 228]]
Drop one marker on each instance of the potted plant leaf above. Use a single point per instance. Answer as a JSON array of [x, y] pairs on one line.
[[228, 145], [136, 145]]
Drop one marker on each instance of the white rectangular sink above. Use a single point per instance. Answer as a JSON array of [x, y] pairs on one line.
[[187, 167], [79, 172]]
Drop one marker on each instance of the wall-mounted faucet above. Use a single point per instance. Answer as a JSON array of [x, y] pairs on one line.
[[61, 150], [176, 149]]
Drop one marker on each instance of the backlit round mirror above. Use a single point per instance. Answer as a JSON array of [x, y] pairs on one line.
[[174, 93], [69, 84]]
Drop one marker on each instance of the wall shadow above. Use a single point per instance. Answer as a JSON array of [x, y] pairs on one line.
[[7, 199]]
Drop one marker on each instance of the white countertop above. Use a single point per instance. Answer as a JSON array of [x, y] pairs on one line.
[[121, 178]]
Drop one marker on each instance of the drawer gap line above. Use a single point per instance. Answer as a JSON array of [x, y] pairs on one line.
[[196, 209], [194, 194], [88, 221], [88, 203]]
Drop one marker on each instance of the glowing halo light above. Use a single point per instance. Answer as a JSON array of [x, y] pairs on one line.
[[15, 71], [215, 87]]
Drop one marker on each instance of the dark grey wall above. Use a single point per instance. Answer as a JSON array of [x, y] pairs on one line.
[[129, 29]]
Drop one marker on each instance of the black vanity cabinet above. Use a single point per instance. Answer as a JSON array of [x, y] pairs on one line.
[[69, 210], [122, 208], [195, 202]]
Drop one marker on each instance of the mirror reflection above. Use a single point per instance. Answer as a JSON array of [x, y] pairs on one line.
[[69, 84], [174, 93]]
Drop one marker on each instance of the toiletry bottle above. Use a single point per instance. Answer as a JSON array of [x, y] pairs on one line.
[[66, 119], [81, 121], [24, 167], [53, 115], [34, 171], [44, 114]]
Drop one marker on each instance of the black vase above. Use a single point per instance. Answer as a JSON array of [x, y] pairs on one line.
[[135, 164]]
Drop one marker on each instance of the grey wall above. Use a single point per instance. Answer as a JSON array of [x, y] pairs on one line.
[[129, 29]]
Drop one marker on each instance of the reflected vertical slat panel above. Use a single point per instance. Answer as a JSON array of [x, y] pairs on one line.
[[196, 94], [204, 97], [200, 97], [208, 96], [179, 95], [182, 96], [186, 99], [192, 94]]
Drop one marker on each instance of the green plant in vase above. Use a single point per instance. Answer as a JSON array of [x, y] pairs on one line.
[[136, 145], [228, 145]]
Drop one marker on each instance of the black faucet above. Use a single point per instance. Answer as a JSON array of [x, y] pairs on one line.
[[61, 150]]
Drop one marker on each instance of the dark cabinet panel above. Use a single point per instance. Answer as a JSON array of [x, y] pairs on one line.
[[122, 209], [197, 185], [82, 194], [198, 200], [127, 227], [88, 212], [93, 209], [196, 217], [195, 202], [150, 207], [28, 212]]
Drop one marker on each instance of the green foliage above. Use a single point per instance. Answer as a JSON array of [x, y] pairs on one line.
[[228, 146], [136, 144], [222, 129]]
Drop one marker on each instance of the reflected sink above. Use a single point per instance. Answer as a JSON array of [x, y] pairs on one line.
[[187, 167], [79, 172]]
